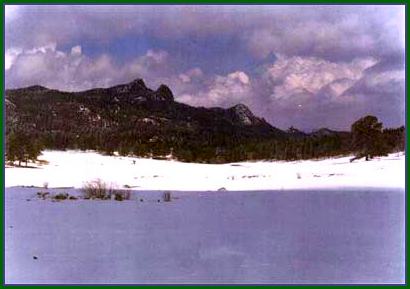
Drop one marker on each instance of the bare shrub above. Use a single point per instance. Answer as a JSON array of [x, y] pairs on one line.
[[119, 195], [55, 197], [127, 195], [61, 196], [42, 195], [95, 189], [166, 196]]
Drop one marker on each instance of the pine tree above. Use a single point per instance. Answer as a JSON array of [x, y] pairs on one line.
[[367, 140], [21, 147]]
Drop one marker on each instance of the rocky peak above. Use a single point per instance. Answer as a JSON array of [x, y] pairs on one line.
[[37, 88], [136, 85], [33, 88], [240, 107], [243, 114], [295, 132], [164, 93], [322, 132]]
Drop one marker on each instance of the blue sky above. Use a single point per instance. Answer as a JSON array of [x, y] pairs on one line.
[[302, 66]]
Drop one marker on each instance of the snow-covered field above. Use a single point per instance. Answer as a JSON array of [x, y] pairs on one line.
[[303, 236], [73, 168], [322, 221]]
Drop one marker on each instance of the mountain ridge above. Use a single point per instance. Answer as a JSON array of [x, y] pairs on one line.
[[133, 119], [137, 92], [164, 93], [130, 117]]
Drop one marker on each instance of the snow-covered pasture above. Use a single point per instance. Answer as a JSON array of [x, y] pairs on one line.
[[74, 168], [303, 236], [317, 221]]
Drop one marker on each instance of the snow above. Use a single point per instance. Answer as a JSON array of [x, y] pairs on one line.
[[74, 168], [347, 236], [318, 221]]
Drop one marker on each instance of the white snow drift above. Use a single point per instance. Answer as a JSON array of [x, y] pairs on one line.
[[73, 168]]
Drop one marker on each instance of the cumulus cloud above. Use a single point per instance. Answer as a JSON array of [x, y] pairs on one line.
[[75, 71], [76, 50], [221, 90], [308, 92], [297, 75], [10, 56], [191, 74], [230, 89], [381, 93], [312, 92], [333, 33]]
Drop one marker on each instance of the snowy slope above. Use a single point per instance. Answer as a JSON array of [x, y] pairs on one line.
[[73, 168]]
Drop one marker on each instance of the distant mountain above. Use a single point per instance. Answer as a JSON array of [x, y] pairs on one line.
[[294, 132], [129, 116], [323, 132], [121, 105]]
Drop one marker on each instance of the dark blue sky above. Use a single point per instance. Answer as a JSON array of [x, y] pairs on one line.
[[213, 54]]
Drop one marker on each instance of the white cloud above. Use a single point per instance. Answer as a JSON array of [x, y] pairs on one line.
[[75, 71], [10, 56], [301, 76], [239, 75], [336, 33], [190, 74], [229, 90], [52, 47], [309, 92], [157, 56], [76, 50], [383, 77], [220, 90]]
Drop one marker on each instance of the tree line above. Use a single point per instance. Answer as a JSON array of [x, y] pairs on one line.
[[366, 139]]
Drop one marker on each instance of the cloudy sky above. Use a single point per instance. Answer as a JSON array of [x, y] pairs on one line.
[[301, 66]]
